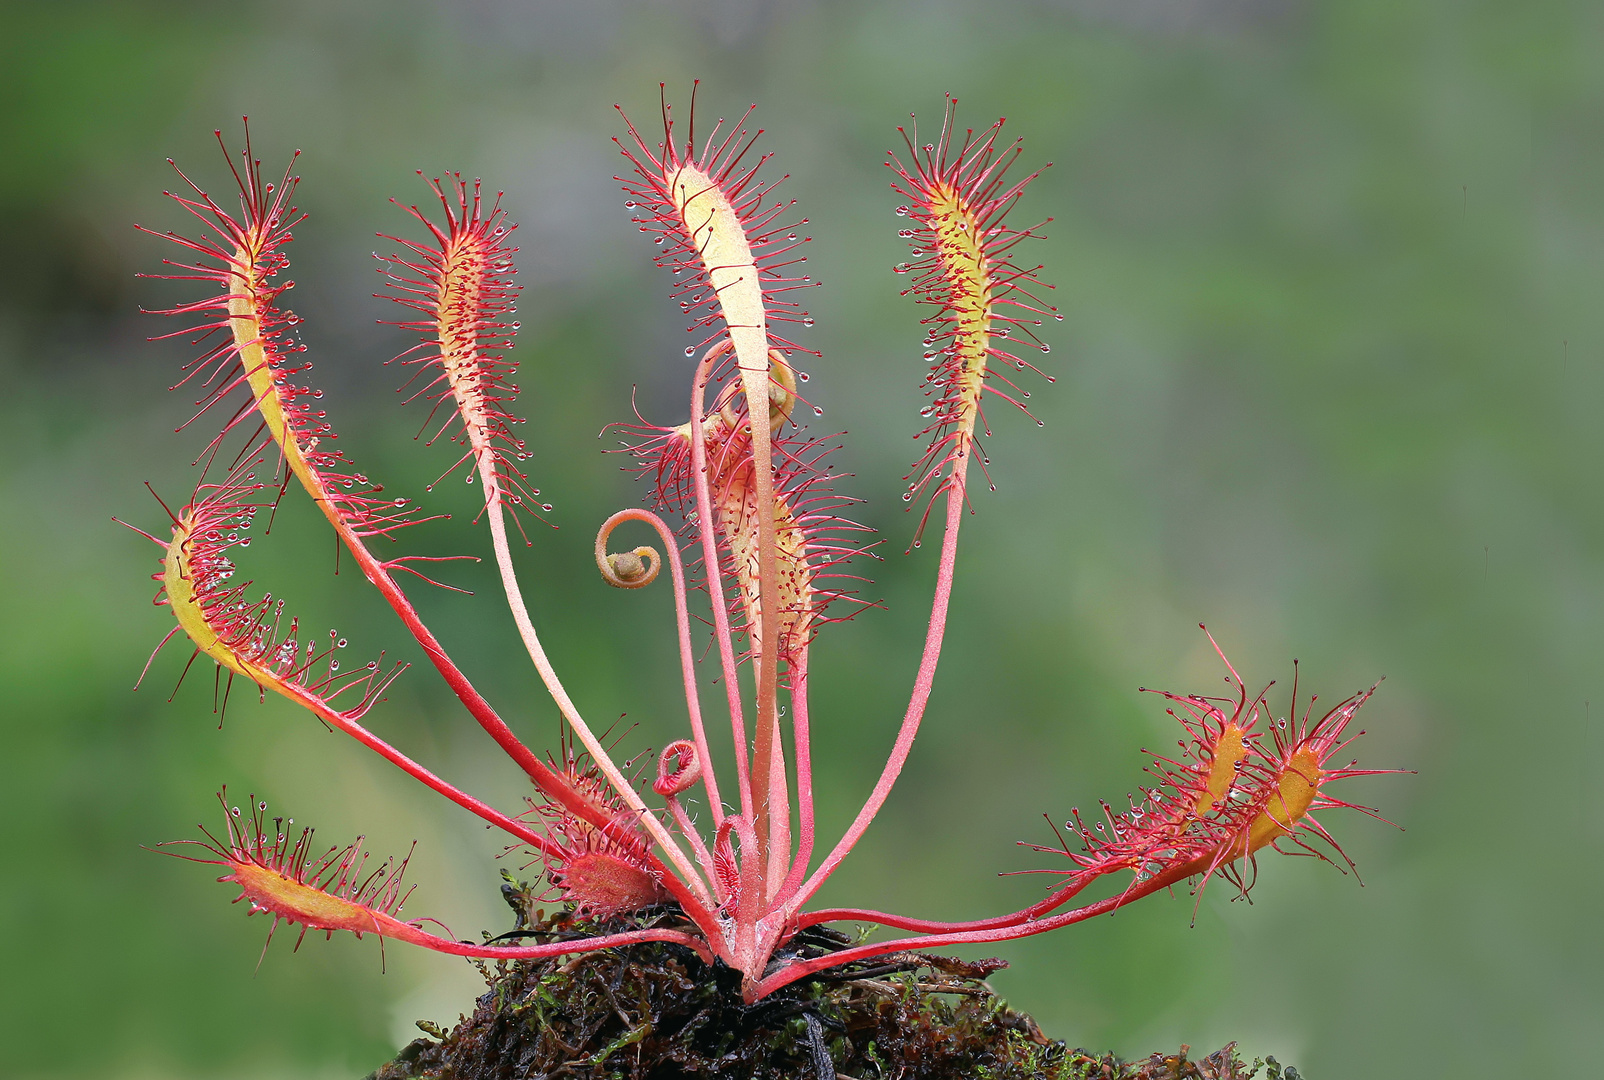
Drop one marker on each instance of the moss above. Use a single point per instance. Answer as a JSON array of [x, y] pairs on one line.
[[656, 1012]]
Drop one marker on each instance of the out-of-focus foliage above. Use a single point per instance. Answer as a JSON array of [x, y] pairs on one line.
[[1329, 380]]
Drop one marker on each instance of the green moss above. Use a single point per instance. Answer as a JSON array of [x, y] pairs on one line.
[[656, 1012]]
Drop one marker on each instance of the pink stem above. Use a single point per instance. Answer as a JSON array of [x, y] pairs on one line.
[[391, 927], [916, 706], [769, 796], [797, 970], [777, 850], [933, 926], [715, 575], [687, 658], [804, 776]]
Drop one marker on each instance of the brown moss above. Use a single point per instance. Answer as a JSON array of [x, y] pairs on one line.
[[656, 1012]]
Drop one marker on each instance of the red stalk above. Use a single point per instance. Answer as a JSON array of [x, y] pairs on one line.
[[715, 583], [769, 796], [388, 926], [804, 780], [923, 682], [801, 968], [408, 933]]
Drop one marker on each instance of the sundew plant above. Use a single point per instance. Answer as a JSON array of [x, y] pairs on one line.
[[759, 544]]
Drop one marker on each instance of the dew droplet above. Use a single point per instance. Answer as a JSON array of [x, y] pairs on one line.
[[902, 211]]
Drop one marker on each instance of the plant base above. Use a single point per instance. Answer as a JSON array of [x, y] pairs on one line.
[[656, 1012]]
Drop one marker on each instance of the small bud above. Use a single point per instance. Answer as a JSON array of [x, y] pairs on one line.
[[627, 566]]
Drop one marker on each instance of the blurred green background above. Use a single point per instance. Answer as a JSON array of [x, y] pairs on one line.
[[1329, 381]]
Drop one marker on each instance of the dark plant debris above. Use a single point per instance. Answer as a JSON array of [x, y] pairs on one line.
[[656, 1012]]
